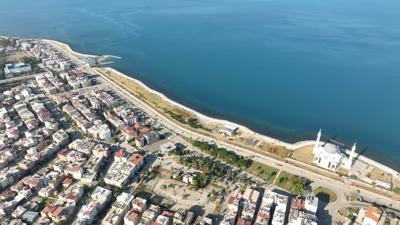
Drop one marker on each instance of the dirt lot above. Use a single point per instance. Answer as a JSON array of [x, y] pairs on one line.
[[303, 154], [379, 174], [184, 196], [178, 194]]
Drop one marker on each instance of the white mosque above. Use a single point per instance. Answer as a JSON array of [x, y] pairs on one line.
[[330, 156]]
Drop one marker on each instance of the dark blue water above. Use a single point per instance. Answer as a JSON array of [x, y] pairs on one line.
[[282, 67]]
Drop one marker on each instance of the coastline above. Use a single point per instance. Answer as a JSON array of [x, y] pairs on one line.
[[290, 146], [67, 48], [201, 116]]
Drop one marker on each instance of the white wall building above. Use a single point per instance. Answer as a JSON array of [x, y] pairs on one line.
[[327, 155], [10, 69]]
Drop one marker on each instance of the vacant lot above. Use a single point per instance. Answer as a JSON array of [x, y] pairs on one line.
[[274, 149], [303, 154], [184, 196], [378, 174]]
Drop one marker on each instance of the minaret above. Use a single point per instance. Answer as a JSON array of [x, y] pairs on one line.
[[351, 156], [317, 141]]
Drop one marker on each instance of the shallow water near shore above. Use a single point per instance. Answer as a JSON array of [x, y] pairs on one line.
[[283, 68]]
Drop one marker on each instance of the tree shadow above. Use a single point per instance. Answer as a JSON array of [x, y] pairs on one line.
[[157, 199], [144, 195], [197, 209]]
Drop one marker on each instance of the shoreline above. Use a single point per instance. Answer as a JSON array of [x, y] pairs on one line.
[[290, 146], [201, 116], [67, 48]]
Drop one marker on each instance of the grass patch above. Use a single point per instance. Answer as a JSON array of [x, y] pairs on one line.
[[192, 122], [143, 189], [325, 194], [142, 93], [292, 183], [262, 171], [396, 190], [277, 150], [378, 174], [349, 213]]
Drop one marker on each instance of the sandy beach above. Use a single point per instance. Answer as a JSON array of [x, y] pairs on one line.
[[67, 48]]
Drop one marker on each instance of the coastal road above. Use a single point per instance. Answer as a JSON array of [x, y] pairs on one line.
[[339, 187]]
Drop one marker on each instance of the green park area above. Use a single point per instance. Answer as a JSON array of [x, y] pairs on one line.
[[292, 183]]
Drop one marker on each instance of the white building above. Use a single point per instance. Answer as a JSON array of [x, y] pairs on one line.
[[10, 69], [88, 213], [229, 130], [101, 131], [116, 214], [101, 195], [303, 211], [311, 203], [61, 136], [281, 202], [327, 155], [250, 199], [349, 162]]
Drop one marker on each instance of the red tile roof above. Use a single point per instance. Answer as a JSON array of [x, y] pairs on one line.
[[243, 222], [167, 214], [145, 130], [374, 213], [57, 212], [136, 159], [67, 181], [49, 209], [120, 153], [231, 200]]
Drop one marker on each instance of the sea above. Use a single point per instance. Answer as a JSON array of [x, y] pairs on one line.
[[284, 68]]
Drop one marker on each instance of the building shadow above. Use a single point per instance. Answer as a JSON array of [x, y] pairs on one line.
[[157, 199], [197, 209], [144, 195], [149, 160], [362, 152], [324, 217], [216, 218]]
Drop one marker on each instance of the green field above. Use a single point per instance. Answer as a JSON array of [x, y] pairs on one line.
[[263, 171], [292, 183]]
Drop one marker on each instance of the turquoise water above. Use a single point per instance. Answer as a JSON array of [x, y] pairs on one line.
[[284, 68]]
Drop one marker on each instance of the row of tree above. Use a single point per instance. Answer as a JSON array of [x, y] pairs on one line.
[[223, 154], [213, 169]]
